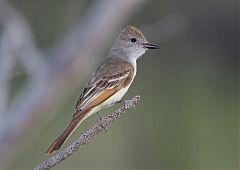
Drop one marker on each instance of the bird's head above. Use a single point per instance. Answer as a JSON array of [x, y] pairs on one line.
[[131, 42]]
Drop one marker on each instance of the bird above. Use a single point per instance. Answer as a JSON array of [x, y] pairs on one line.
[[111, 80]]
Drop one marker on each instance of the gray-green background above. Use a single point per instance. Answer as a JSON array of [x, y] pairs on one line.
[[188, 114]]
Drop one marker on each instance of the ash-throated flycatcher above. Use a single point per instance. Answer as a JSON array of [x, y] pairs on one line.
[[110, 81]]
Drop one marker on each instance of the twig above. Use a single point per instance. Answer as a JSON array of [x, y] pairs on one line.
[[90, 134]]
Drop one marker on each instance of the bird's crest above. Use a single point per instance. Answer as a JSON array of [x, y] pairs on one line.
[[132, 31]]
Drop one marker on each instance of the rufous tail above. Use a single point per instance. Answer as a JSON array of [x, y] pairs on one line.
[[67, 132]]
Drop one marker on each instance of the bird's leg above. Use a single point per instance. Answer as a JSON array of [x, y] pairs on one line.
[[100, 119]]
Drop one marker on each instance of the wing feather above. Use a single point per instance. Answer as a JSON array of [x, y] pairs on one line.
[[112, 75], [102, 89]]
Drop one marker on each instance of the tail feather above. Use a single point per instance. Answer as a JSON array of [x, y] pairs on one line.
[[67, 132]]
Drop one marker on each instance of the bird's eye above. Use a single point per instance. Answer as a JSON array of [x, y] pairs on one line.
[[133, 40]]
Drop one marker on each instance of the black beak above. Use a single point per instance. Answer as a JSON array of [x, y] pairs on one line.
[[150, 46]]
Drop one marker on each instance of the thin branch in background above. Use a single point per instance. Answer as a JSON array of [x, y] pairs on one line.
[[16, 44], [100, 23], [7, 62], [87, 136]]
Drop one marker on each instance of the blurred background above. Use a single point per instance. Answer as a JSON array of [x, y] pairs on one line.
[[188, 116]]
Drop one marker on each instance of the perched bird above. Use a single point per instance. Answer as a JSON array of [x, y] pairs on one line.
[[110, 81]]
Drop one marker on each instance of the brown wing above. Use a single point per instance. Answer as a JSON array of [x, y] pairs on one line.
[[108, 80]]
